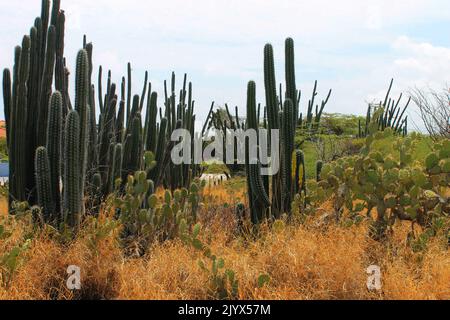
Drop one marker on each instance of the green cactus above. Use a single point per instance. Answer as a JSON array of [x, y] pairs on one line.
[[72, 203], [287, 145], [291, 88], [54, 140], [391, 116], [7, 99], [258, 196], [395, 185], [136, 144], [282, 114], [273, 120], [18, 149], [82, 90], [156, 173], [46, 86], [117, 164], [151, 131], [300, 181], [43, 185]]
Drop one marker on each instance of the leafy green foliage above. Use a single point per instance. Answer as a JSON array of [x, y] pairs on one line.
[[10, 260], [339, 124]]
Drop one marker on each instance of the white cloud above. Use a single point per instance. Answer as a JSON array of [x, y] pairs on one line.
[[422, 60], [374, 18]]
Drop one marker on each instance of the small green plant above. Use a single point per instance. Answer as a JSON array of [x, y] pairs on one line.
[[10, 261], [222, 282]]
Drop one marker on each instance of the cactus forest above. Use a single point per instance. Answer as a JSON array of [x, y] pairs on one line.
[[92, 183]]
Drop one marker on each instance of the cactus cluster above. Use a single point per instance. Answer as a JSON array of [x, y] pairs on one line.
[[61, 156], [223, 121], [394, 186], [393, 115], [272, 197], [38, 61], [147, 217], [311, 123]]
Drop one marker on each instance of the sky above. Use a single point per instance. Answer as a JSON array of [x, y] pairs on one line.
[[354, 47]]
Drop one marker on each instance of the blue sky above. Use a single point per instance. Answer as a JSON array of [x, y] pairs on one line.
[[354, 47]]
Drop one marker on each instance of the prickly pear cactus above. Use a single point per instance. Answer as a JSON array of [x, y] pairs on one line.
[[147, 217], [391, 187]]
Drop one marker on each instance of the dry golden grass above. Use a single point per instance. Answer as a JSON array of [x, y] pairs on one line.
[[304, 262]]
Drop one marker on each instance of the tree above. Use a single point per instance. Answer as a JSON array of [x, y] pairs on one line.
[[434, 109]]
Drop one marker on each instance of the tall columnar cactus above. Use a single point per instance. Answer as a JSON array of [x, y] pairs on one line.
[[7, 99], [46, 86], [300, 174], [151, 133], [258, 196], [44, 185], [391, 117], [287, 145], [109, 186], [27, 101], [18, 116], [312, 119], [281, 113], [54, 140], [291, 88], [117, 164], [135, 161], [273, 121], [82, 90], [156, 173], [72, 205]]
